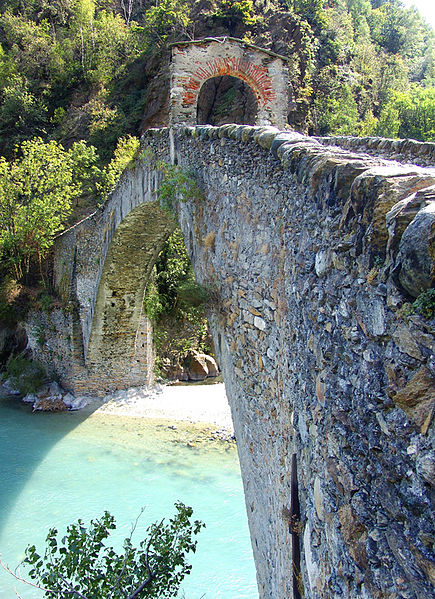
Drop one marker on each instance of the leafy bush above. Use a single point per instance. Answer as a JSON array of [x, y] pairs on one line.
[[409, 114], [82, 565], [177, 184], [36, 191], [425, 304], [125, 152], [25, 375], [175, 303], [232, 13]]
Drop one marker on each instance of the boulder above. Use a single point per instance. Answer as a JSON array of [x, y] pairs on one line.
[[201, 366], [415, 259], [197, 369], [213, 369], [9, 387]]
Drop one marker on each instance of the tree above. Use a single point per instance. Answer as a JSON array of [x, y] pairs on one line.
[[165, 18], [409, 114], [36, 190], [82, 566]]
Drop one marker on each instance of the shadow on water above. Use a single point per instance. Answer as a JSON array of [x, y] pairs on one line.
[[22, 452], [58, 467]]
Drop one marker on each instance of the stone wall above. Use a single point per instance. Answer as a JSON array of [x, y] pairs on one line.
[[101, 340], [321, 356], [407, 151], [313, 255]]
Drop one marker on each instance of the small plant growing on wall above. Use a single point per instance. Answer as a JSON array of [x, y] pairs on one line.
[[425, 304], [177, 184]]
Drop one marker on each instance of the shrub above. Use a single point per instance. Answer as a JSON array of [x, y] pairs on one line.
[[82, 565], [425, 304], [25, 375]]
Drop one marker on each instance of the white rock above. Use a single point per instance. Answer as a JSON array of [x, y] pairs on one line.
[[312, 567], [10, 388], [69, 399], [259, 323], [29, 398], [321, 263]]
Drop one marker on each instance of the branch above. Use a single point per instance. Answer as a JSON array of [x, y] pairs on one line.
[[139, 589], [71, 589], [118, 580], [36, 586], [151, 575]]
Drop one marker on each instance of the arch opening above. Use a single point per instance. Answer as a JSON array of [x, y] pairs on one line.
[[120, 352], [226, 99]]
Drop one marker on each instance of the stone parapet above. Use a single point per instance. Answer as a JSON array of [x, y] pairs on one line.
[[401, 150], [321, 353]]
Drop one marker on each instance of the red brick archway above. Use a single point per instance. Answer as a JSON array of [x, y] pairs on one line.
[[255, 76], [194, 63]]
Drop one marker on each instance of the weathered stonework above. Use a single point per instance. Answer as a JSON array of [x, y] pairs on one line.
[[194, 63], [101, 268], [317, 357], [305, 249]]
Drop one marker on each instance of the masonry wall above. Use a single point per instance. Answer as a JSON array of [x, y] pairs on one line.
[[313, 255], [193, 63], [320, 355], [100, 339]]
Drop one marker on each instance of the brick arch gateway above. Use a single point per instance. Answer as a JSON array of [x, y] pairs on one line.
[[196, 62]]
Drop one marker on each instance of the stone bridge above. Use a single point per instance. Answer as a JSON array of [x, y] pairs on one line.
[[314, 250]]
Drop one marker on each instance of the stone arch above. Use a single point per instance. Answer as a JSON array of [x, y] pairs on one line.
[[119, 351], [194, 63], [226, 99], [101, 268]]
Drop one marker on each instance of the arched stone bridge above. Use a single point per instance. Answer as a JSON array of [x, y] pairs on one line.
[[314, 252]]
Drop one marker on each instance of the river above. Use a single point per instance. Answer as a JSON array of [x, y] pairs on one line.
[[56, 468]]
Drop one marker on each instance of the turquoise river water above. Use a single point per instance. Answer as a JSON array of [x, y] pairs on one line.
[[56, 468]]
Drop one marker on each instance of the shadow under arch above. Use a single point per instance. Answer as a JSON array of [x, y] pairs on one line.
[[119, 353], [226, 99]]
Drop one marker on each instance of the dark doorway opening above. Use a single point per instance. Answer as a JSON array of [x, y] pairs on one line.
[[224, 100]]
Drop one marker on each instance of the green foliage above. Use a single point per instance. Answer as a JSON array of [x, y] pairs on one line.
[[172, 270], [398, 30], [177, 184], [36, 190], [175, 301], [124, 155], [25, 375], [309, 10], [166, 18], [83, 565], [425, 304], [336, 114], [232, 13], [20, 112], [409, 114]]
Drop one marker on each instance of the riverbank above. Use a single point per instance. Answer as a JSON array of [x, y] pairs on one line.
[[197, 404]]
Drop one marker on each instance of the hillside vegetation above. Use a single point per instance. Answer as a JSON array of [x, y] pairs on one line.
[[80, 80]]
